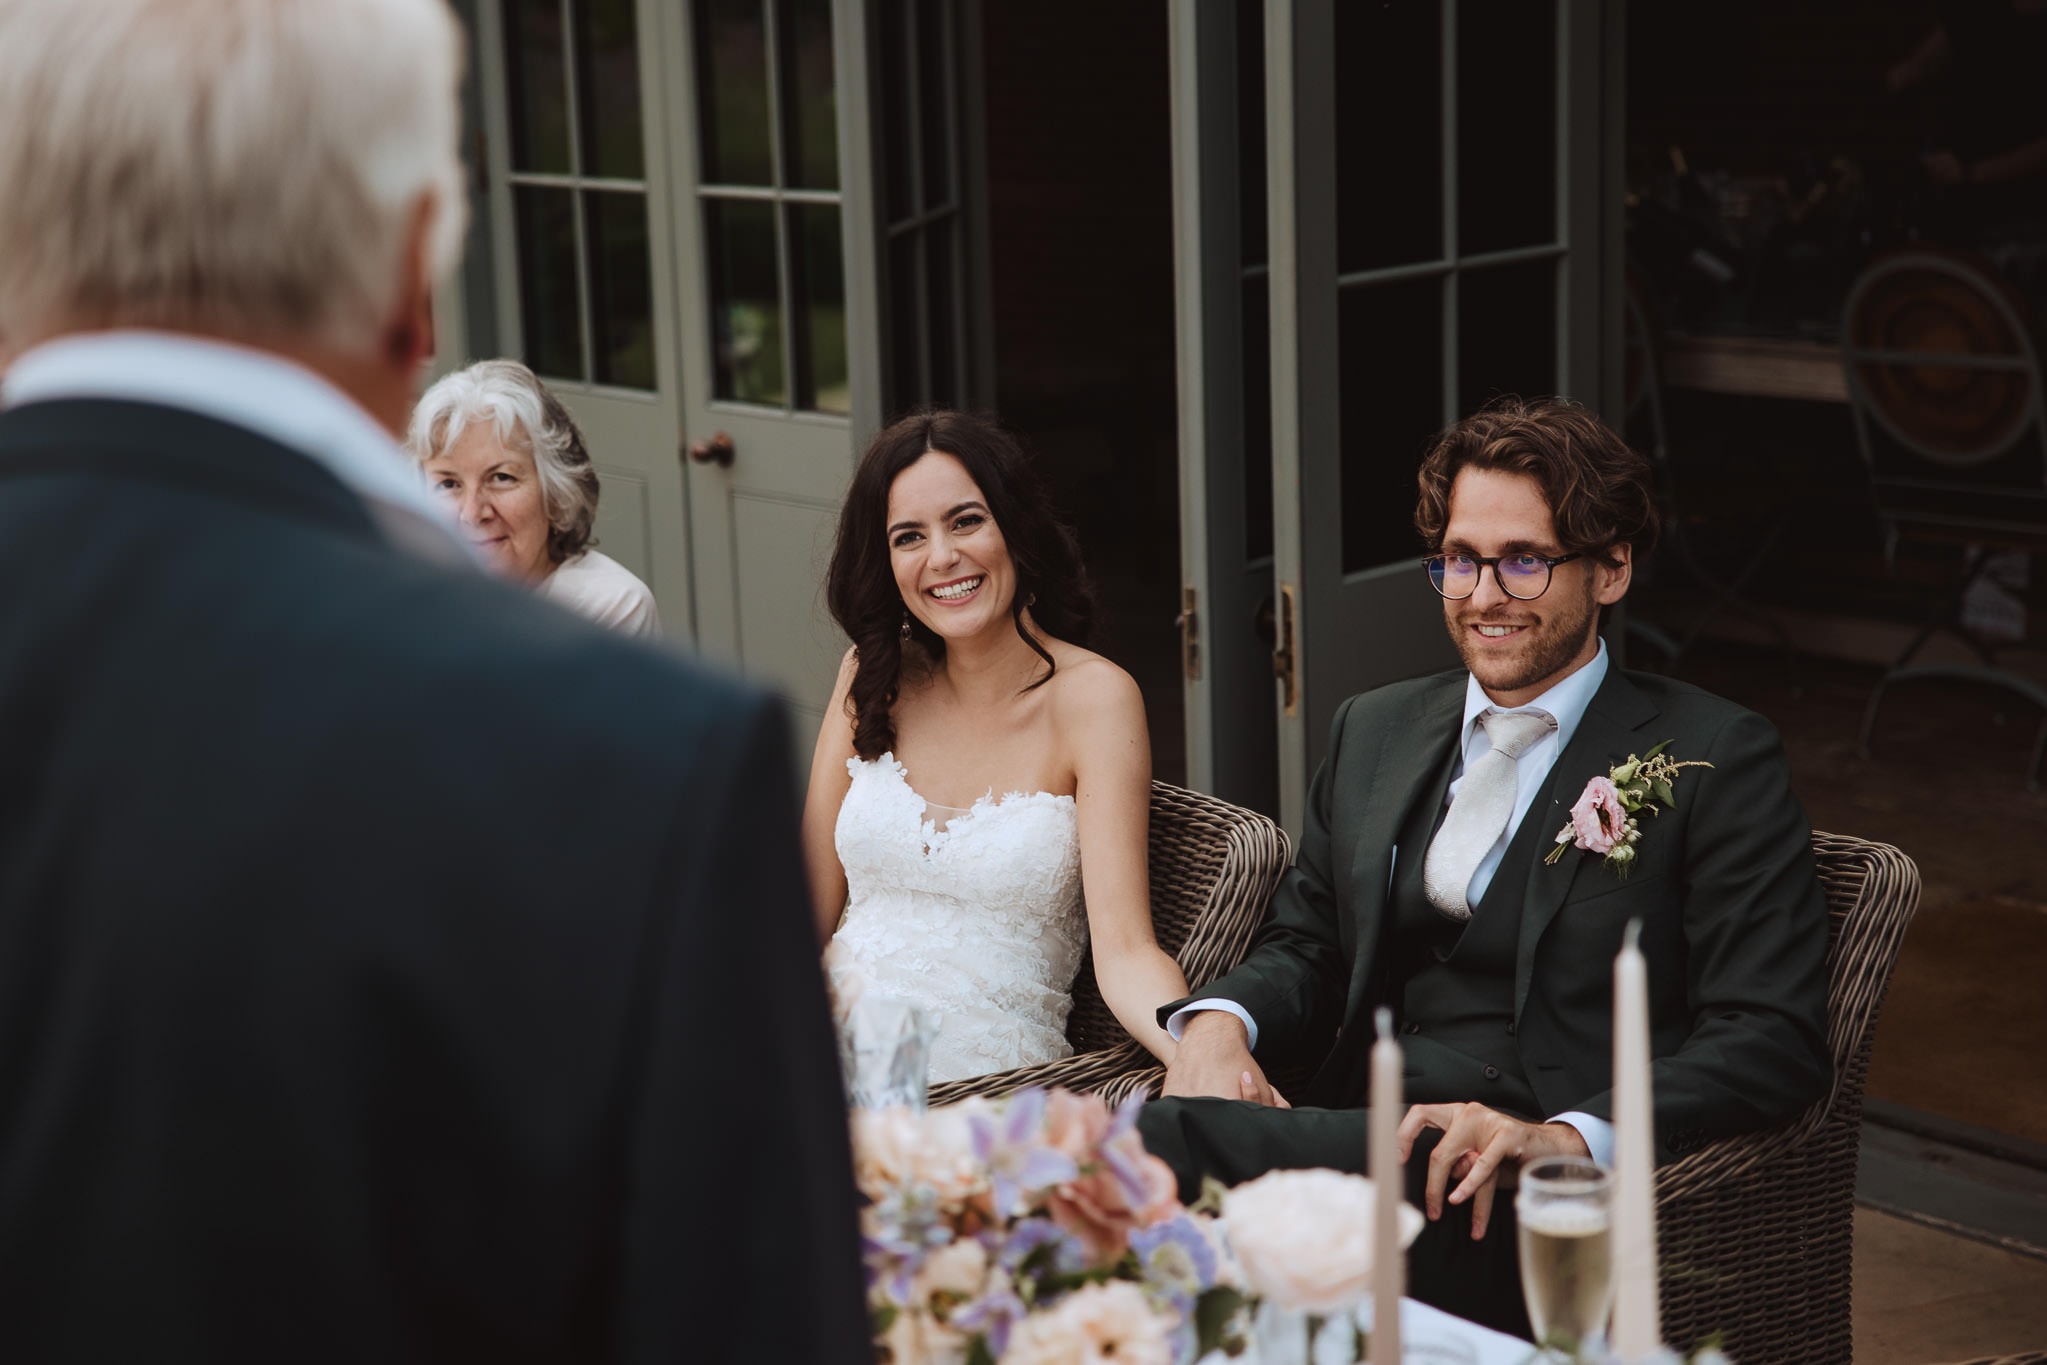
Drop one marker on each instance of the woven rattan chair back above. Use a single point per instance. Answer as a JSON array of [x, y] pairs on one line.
[[1213, 867], [1756, 1231]]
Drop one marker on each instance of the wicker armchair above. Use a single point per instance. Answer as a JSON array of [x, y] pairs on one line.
[[1213, 867], [1755, 1231]]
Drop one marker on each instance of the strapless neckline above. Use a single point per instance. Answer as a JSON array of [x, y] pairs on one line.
[[987, 801]]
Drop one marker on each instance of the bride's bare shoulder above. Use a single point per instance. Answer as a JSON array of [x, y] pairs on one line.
[[1087, 687]]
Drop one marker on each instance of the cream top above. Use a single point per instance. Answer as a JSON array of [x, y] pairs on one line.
[[596, 586]]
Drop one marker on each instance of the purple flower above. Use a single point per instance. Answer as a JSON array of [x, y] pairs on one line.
[[1176, 1261], [991, 1316], [1126, 1161], [1012, 1147], [903, 1229], [1069, 1257]]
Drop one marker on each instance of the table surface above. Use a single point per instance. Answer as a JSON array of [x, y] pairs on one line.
[[1763, 367]]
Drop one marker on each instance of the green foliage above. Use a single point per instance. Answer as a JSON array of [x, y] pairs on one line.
[[1214, 1315]]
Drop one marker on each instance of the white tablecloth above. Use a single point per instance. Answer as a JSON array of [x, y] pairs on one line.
[[1421, 1324]]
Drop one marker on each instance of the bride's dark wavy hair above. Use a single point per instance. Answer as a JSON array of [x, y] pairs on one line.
[[860, 587]]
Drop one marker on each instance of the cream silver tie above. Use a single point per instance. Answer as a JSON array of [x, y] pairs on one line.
[[1479, 814]]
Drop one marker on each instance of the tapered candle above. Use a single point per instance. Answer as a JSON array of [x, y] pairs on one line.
[[1637, 1328], [1389, 1261]]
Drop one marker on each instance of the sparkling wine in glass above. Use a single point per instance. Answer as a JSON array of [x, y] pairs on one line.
[[1565, 1212]]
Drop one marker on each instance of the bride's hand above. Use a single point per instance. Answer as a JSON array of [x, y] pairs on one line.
[[1258, 1090]]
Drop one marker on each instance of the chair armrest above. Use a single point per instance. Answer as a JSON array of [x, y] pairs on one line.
[[1736, 1158], [1111, 1073]]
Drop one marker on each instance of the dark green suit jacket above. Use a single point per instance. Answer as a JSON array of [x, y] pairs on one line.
[[1734, 924]]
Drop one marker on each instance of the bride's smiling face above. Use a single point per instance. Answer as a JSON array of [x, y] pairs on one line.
[[951, 563]]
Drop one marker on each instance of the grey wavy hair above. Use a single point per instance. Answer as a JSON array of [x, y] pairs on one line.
[[238, 167], [527, 417]]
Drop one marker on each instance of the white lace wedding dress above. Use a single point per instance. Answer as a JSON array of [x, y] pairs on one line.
[[975, 915]]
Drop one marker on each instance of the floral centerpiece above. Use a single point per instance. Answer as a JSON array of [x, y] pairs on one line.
[[1034, 1231]]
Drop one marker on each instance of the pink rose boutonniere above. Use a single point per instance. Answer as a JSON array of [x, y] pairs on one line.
[[1603, 817]]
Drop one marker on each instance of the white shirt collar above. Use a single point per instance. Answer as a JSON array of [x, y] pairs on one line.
[[1565, 701], [247, 388]]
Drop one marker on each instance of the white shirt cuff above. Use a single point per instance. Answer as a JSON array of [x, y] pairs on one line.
[[1177, 1025], [1598, 1134]]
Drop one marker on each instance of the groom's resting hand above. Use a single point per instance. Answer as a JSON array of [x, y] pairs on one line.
[[1214, 1059], [1477, 1144]]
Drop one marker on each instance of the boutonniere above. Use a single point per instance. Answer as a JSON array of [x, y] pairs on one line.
[[1603, 818]]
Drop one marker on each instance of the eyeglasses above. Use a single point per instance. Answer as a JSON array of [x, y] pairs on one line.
[[1522, 577]]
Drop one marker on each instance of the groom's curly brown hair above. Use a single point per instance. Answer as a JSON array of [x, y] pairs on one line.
[[1600, 492]]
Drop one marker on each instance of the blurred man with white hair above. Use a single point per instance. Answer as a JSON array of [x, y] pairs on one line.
[[371, 936]]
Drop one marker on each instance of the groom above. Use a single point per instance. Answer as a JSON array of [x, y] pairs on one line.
[[1421, 884]]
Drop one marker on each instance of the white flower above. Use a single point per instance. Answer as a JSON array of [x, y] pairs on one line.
[[1098, 1324], [919, 1339], [1304, 1238], [957, 1268]]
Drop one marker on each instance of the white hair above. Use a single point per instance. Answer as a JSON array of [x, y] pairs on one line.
[[241, 167], [527, 417]]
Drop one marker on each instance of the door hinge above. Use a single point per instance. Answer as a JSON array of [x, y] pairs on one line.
[[1189, 622], [1285, 658]]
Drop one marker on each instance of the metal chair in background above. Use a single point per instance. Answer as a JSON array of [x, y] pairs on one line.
[[1944, 383]]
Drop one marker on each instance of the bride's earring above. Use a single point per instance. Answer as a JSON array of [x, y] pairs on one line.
[[906, 625]]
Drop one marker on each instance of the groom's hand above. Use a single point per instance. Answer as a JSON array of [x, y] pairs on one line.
[[1477, 1144], [1214, 1059]]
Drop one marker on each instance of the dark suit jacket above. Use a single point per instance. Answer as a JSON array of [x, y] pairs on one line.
[[1734, 922], [392, 967]]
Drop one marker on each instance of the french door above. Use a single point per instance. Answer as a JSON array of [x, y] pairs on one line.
[[1440, 224], [683, 247]]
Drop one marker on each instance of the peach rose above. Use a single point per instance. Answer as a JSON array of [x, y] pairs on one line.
[[1076, 1124], [920, 1334], [1304, 1238], [894, 1147], [1098, 1324], [1127, 1188]]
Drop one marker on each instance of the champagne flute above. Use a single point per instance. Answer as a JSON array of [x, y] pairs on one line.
[[1564, 1209]]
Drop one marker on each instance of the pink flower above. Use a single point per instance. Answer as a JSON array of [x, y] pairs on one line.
[[1599, 817], [1121, 1186], [1076, 1124]]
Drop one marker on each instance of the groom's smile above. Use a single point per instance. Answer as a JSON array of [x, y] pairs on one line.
[[1517, 648]]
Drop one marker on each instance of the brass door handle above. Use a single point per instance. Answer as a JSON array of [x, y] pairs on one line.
[[718, 450], [1285, 655]]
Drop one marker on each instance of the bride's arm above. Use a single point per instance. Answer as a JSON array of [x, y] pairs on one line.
[[829, 781], [1101, 719]]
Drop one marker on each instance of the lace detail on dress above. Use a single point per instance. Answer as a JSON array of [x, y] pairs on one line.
[[980, 922]]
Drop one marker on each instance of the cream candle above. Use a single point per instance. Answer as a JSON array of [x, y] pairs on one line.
[[1389, 1259], [1637, 1326]]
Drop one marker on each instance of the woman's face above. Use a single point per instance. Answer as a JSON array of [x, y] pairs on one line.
[[497, 496], [951, 563]]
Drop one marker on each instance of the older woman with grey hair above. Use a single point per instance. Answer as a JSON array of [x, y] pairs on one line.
[[504, 449]]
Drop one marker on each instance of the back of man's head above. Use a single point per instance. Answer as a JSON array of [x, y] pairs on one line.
[[252, 169]]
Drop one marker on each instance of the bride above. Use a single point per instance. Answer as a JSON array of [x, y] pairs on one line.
[[978, 770]]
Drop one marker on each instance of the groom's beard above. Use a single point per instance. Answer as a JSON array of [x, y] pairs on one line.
[[1557, 627]]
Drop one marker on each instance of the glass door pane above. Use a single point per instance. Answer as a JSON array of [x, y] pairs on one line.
[[577, 205], [774, 247], [1443, 274]]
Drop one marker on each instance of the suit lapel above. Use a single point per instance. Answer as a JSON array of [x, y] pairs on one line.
[[1609, 732], [1412, 766]]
